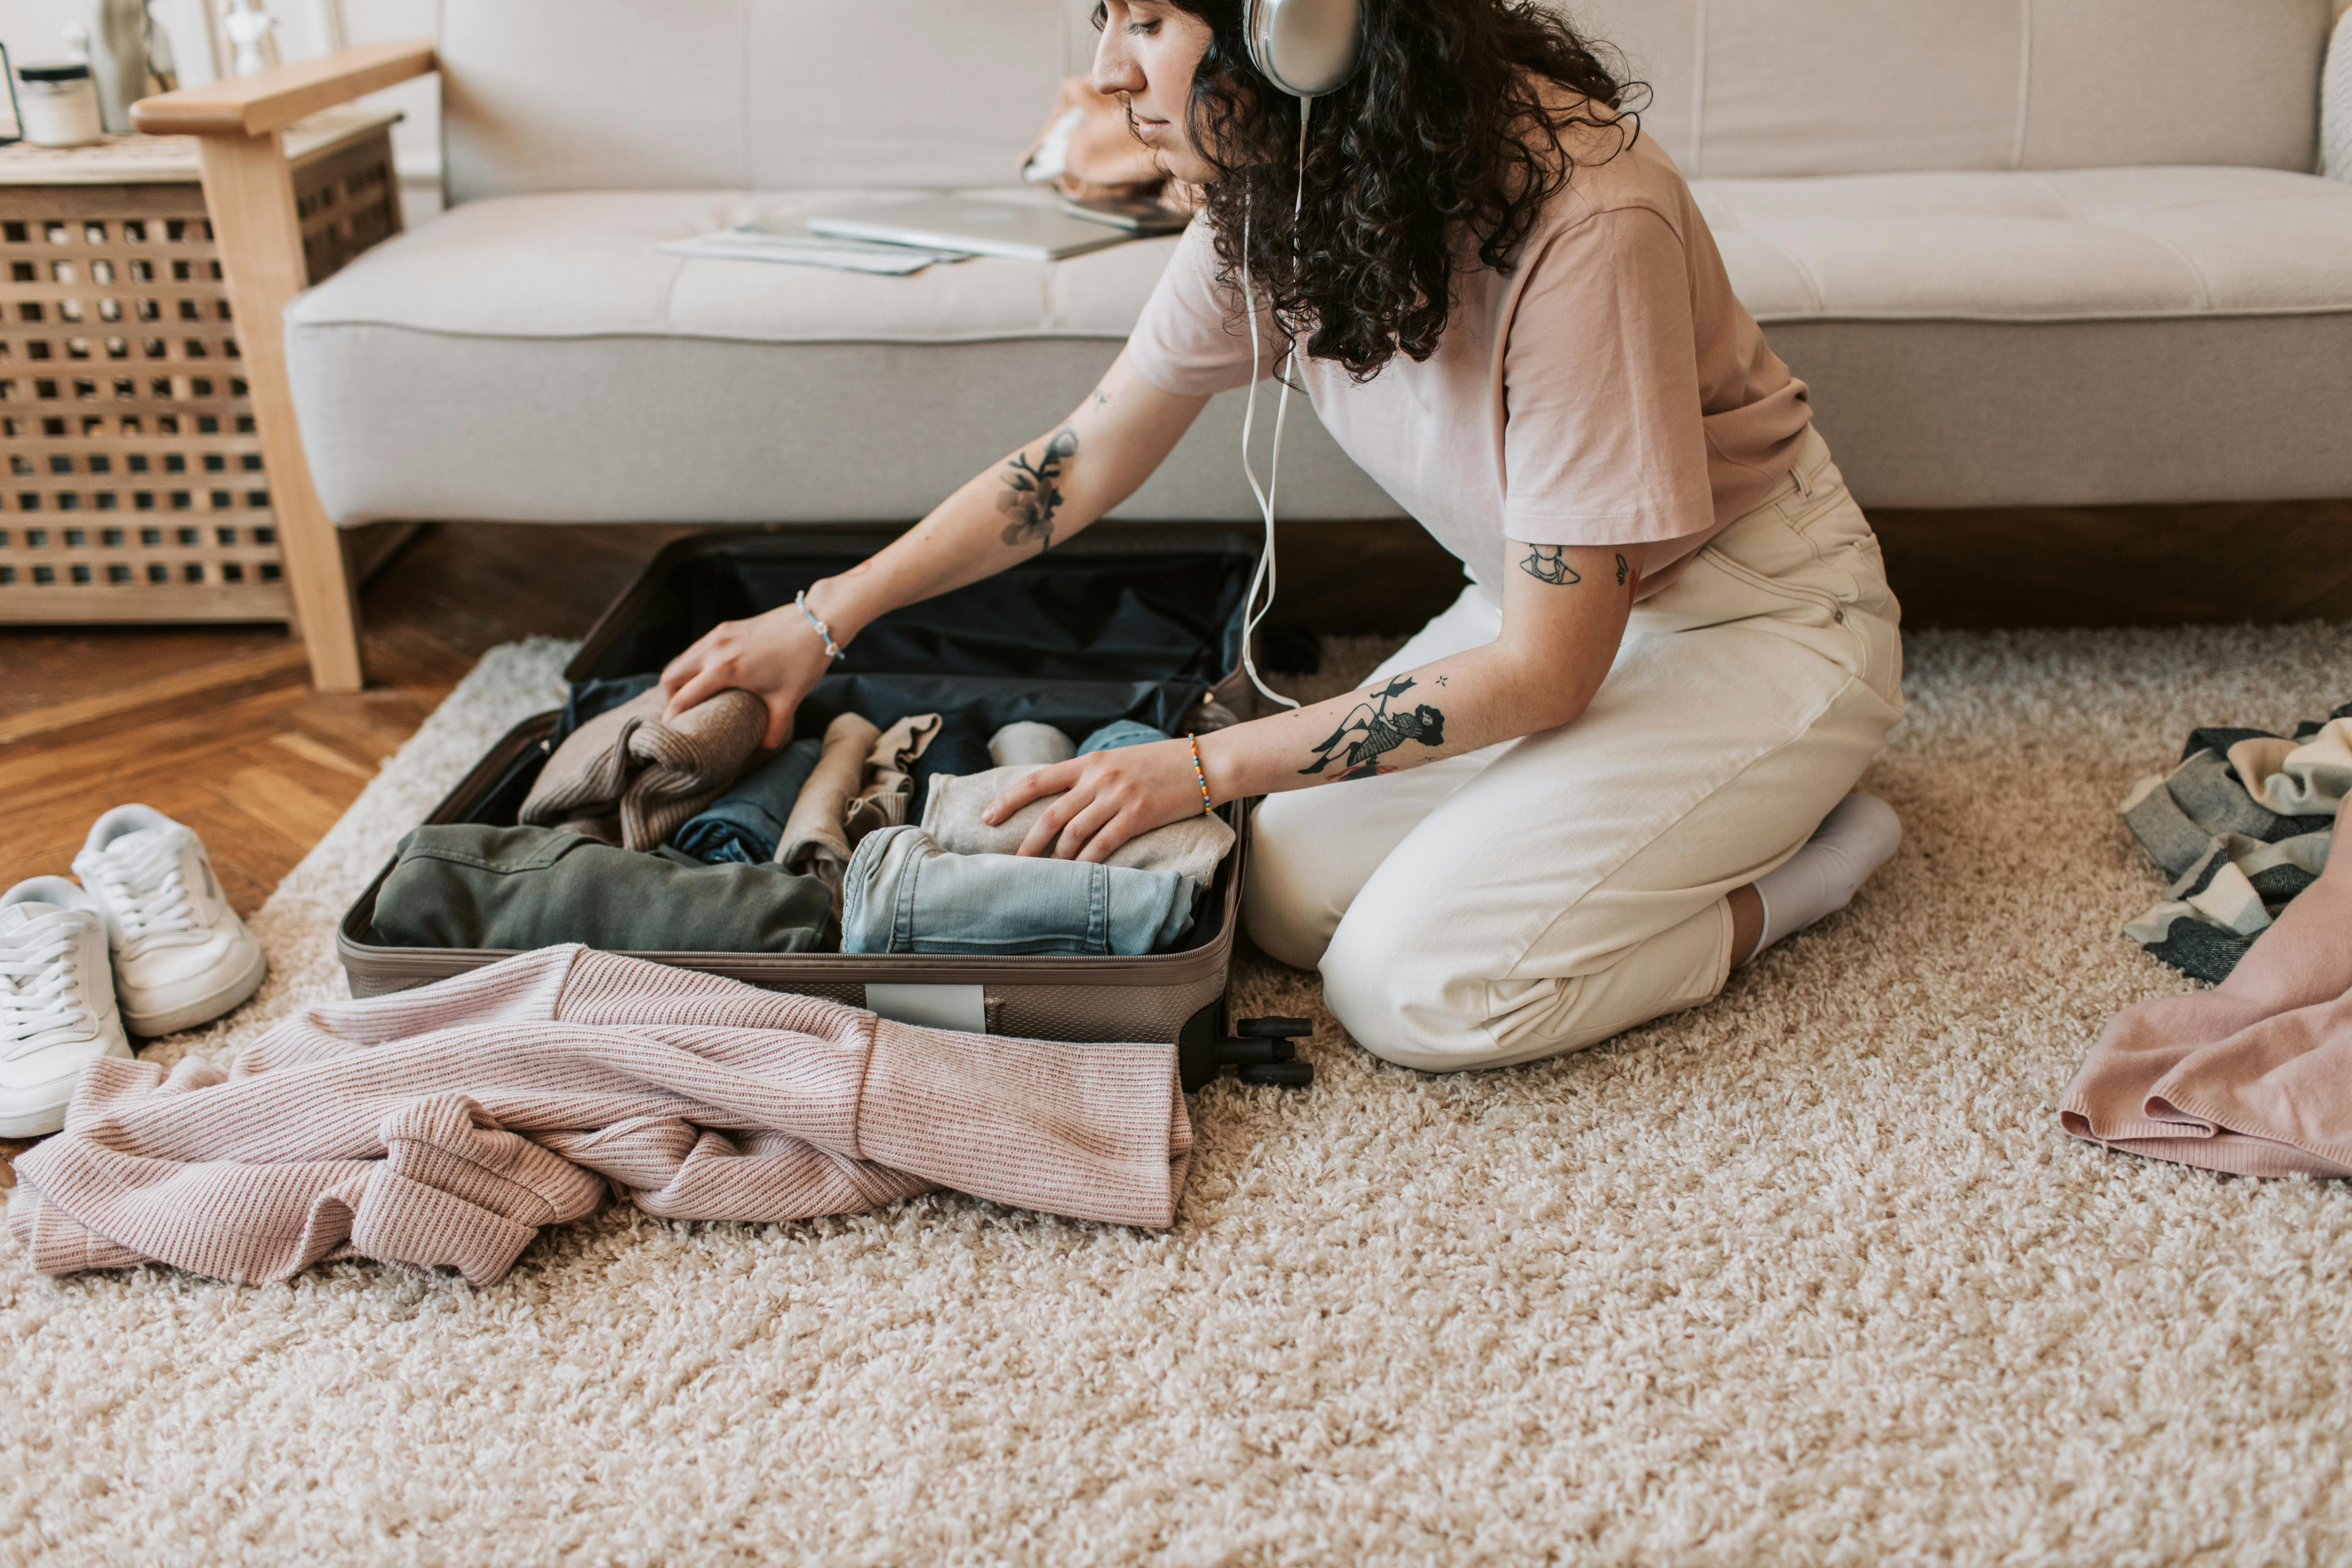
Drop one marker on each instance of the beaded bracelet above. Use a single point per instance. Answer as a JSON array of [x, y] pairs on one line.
[[1200, 774], [831, 649]]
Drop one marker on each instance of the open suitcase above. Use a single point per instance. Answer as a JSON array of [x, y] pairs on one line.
[[1139, 621]]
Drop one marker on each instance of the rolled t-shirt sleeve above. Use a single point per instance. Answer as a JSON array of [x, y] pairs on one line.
[[1604, 441], [1189, 340]]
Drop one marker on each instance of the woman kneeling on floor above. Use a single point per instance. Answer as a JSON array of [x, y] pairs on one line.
[[1618, 766]]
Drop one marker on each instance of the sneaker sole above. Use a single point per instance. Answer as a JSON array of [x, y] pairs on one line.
[[204, 1009], [42, 1120]]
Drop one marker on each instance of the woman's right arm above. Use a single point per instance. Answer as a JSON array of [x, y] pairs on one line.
[[1036, 497]]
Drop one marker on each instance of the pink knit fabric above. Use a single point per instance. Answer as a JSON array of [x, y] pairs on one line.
[[444, 1126], [2254, 1076]]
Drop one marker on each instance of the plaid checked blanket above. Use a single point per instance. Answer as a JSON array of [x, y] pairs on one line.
[[2241, 825]]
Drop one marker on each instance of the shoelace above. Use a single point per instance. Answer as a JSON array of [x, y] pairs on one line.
[[40, 988], [151, 903]]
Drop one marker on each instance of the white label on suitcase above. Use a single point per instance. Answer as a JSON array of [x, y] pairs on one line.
[[964, 1007]]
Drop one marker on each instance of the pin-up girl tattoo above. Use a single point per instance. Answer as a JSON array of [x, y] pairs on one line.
[[1377, 731]]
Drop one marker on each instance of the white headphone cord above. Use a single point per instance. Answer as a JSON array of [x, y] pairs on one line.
[[1252, 612]]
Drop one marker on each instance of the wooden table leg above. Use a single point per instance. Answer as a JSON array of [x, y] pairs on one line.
[[249, 188]]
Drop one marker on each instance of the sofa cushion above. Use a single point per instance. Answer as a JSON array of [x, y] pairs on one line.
[[584, 264], [535, 358], [2069, 337], [1764, 88], [2058, 245], [554, 95], [558, 95]]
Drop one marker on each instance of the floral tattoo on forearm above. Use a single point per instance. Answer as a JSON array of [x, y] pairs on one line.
[[1377, 731], [1030, 497]]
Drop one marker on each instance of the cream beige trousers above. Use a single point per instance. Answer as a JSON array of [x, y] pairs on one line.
[[1544, 893]]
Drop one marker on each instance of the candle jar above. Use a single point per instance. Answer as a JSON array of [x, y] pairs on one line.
[[58, 104]]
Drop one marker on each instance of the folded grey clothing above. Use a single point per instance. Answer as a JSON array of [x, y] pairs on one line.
[[1029, 743], [746, 825], [2242, 823], [814, 843], [627, 777], [464, 884], [903, 893], [1189, 849]]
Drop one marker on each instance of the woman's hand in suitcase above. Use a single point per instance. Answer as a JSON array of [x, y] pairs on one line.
[[777, 658], [1105, 799]]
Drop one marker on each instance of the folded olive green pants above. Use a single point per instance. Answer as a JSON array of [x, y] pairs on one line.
[[512, 889]]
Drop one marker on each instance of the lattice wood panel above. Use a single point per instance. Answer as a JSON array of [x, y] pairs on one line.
[[134, 485]]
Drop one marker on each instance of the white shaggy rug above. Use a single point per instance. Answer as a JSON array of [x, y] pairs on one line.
[[1809, 1275]]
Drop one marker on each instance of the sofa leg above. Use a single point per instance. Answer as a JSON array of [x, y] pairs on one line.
[[249, 190], [326, 602]]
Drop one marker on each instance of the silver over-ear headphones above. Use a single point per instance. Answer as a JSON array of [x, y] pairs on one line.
[[1306, 47]]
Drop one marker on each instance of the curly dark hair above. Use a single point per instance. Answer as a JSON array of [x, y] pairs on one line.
[[1441, 137]]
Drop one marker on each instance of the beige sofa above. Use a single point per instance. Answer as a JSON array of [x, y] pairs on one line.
[[2024, 252]]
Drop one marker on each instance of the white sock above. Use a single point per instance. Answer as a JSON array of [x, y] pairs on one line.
[[1852, 842]]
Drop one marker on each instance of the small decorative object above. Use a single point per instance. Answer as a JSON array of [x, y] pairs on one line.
[[118, 61], [247, 26], [12, 128], [77, 38], [162, 65], [60, 105]]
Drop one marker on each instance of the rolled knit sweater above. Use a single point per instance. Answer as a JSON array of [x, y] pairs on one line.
[[628, 777], [443, 1126]]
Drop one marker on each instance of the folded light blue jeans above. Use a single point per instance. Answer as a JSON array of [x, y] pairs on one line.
[[903, 893], [1120, 732]]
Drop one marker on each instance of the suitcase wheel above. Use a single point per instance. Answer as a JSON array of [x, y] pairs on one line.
[[1260, 1048]]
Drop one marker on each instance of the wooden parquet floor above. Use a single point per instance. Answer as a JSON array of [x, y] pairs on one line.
[[218, 727]]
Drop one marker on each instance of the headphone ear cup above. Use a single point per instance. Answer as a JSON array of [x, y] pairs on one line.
[[1306, 48]]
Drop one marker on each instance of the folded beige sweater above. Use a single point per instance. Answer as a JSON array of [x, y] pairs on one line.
[[815, 843], [443, 1126], [889, 779], [629, 778]]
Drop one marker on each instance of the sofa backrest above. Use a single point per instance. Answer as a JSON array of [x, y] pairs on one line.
[[554, 95], [543, 95], [1848, 87]]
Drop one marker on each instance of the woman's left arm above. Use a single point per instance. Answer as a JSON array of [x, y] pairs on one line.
[[1564, 611]]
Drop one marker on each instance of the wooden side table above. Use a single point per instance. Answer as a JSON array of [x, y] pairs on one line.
[[133, 483]]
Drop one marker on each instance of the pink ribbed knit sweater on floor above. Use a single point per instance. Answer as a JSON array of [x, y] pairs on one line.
[[443, 1126], [2254, 1076]]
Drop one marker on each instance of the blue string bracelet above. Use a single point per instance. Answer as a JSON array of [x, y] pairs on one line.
[[832, 648]]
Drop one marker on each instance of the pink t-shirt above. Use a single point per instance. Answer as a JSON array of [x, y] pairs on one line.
[[1608, 389]]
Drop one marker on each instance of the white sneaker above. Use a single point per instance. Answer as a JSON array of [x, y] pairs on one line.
[[181, 955], [56, 1001]]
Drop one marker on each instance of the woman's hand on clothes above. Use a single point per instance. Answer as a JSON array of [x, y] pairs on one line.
[[776, 657], [1107, 798]]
